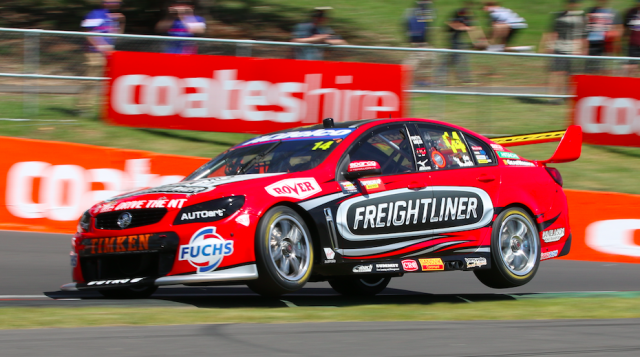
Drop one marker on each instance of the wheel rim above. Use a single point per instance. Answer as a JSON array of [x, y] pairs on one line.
[[518, 247], [289, 247]]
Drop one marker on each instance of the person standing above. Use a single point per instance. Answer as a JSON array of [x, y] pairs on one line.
[[107, 19], [567, 36], [505, 24], [604, 30], [315, 31], [418, 22], [180, 21], [632, 26]]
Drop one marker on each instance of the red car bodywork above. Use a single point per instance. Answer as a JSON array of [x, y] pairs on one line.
[[526, 184]]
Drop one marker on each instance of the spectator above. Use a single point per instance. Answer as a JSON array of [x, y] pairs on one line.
[[315, 31], [505, 24], [566, 37], [632, 25], [104, 20], [604, 30], [180, 21], [462, 30], [418, 22]]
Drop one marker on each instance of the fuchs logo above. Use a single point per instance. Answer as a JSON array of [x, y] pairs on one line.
[[508, 155], [363, 268], [206, 250], [409, 265], [553, 235], [299, 188], [549, 255], [475, 262]]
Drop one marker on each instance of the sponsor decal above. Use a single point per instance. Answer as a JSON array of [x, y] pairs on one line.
[[476, 148], [549, 255], [416, 140], [552, 235], [497, 147], [348, 187], [518, 163], [206, 250], [475, 262], [438, 159], [202, 214], [385, 267], [363, 268], [356, 166], [423, 165], [484, 161], [409, 265], [421, 152], [331, 256], [432, 264], [114, 282], [481, 157], [465, 162], [301, 135], [122, 244], [140, 204], [507, 155], [210, 211], [299, 188], [73, 259], [243, 220], [372, 185]]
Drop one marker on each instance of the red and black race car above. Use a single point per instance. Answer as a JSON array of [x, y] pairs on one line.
[[355, 204]]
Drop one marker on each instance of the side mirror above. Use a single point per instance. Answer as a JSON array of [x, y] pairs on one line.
[[364, 168]]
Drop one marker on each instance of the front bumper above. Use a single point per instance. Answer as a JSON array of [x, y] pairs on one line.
[[241, 273]]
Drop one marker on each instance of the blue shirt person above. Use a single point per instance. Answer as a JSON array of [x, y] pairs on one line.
[[104, 20], [181, 22], [315, 31]]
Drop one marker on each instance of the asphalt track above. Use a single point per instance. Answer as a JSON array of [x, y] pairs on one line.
[[34, 265], [616, 338]]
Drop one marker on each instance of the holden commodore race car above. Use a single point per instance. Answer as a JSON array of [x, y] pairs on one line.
[[352, 203]]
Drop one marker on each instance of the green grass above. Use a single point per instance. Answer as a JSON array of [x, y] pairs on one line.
[[527, 309]]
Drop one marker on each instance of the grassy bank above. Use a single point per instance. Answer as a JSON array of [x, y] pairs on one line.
[[527, 309]]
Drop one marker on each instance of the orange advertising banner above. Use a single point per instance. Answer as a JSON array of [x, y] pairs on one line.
[[45, 186]]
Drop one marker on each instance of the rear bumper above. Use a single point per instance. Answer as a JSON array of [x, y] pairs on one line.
[[241, 273]]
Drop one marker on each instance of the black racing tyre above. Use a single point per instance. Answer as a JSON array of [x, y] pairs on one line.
[[140, 292], [368, 286], [515, 251], [284, 253]]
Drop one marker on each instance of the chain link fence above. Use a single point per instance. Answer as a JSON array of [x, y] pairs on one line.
[[42, 74]]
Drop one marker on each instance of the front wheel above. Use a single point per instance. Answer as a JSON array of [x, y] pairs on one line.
[[284, 253], [359, 286], [515, 251]]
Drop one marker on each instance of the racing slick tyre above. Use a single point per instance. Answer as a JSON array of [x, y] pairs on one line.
[[140, 292], [284, 253], [515, 251], [359, 286]]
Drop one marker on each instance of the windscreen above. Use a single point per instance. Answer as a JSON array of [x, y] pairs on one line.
[[292, 151]]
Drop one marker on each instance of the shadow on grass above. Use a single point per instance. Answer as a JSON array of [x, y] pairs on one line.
[[242, 297], [621, 151]]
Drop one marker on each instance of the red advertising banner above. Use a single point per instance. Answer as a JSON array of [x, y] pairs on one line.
[[249, 95], [607, 109]]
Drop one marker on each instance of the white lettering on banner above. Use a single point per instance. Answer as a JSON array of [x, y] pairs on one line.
[[619, 116], [225, 97], [65, 190], [614, 237]]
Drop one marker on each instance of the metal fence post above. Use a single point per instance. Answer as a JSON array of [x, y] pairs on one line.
[[31, 66]]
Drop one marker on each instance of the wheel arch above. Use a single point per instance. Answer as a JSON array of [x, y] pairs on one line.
[[311, 225], [529, 212]]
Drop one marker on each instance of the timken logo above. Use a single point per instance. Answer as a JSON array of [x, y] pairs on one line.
[[299, 188], [409, 265], [432, 264], [133, 243]]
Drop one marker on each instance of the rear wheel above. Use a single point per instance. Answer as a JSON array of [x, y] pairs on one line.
[[359, 286], [140, 292], [515, 251], [284, 253]]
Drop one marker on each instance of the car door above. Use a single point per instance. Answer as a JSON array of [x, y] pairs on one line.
[[465, 179], [387, 217]]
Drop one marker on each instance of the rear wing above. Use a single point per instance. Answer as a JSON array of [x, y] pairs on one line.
[[569, 149]]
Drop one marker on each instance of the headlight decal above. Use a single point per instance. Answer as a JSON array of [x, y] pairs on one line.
[[209, 211]]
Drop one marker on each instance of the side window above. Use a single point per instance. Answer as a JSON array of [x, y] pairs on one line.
[[481, 151], [390, 147], [446, 148]]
